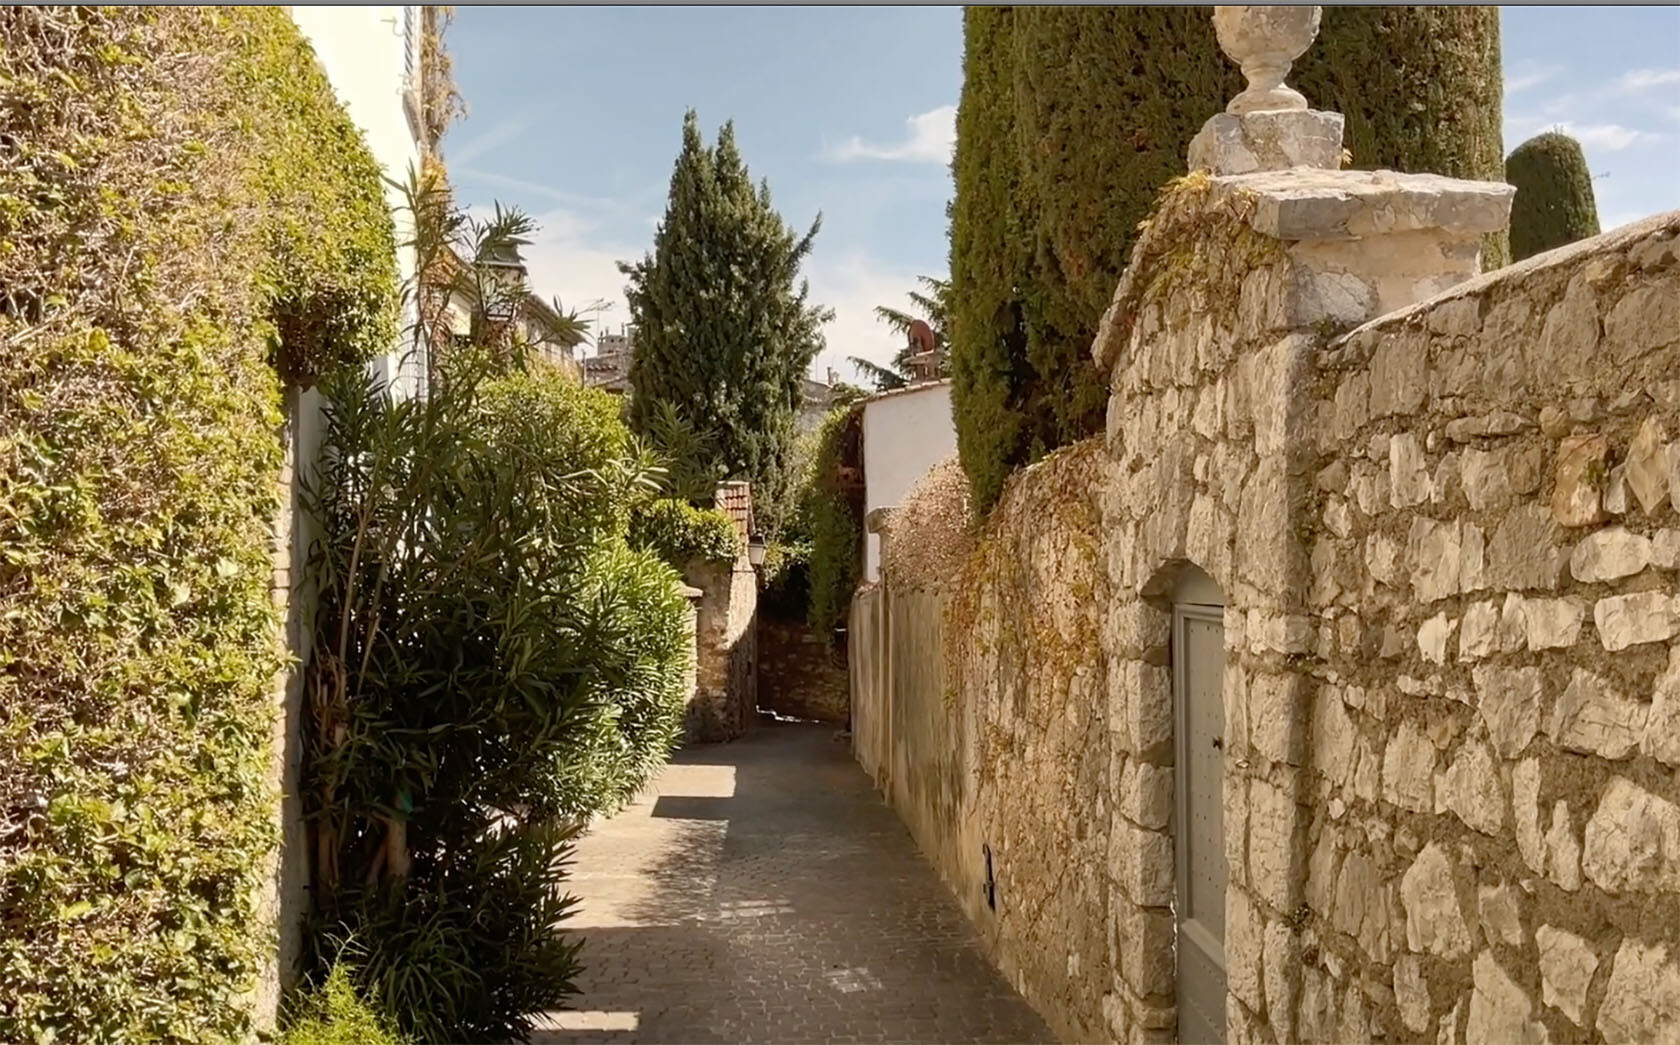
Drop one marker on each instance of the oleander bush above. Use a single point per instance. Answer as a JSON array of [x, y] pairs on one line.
[[169, 234], [493, 664]]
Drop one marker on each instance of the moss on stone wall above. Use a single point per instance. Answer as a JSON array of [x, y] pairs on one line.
[[180, 194]]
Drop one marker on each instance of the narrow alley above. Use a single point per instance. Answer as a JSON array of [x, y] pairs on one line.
[[760, 892]]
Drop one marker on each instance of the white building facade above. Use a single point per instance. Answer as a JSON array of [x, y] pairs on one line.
[[906, 431]]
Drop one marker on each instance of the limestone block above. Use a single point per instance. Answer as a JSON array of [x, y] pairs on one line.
[[1472, 790], [1434, 550], [1509, 701], [1497, 423], [1579, 477], [1665, 549], [1628, 620], [1610, 554], [1642, 1000], [1447, 1028], [1486, 478], [1501, 1012], [1142, 863], [1143, 940], [1408, 472], [1233, 143], [1616, 492], [1275, 713], [1567, 964], [1146, 794], [1432, 638], [1472, 563], [1234, 794], [1399, 373], [1633, 841], [1646, 468], [1359, 908], [1523, 552], [1409, 770], [1382, 560], [1367, 778], [1662, 724], [1592, 717], [1501, 913], [1411, 994], [1272, 854], [1333, 736], [1552, 623], [1643, 321], [1245, 931], [1434, 923], [1315, 1018], [1282, 974], [1673, 455], [1525, 810], [1513, 624], [1476, 636], [1563, 851]]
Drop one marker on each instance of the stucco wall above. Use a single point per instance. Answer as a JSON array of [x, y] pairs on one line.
[[905, 433], [1446, 543]]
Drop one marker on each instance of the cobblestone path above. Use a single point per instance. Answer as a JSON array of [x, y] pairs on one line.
[[761, 892]]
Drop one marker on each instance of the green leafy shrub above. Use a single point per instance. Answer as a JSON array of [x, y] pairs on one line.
[[493, 663], [1554, 205], [1072, 119], [680, 533], [335, 1014], [140, 304]]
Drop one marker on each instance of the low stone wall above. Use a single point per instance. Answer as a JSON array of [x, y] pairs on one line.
[[726, 651], [801, 675]]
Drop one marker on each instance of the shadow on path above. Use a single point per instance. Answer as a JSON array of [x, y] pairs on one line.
[[760, 892]]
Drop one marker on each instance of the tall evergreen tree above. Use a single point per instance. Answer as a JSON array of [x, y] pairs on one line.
[[724, 328], [1554, 205]]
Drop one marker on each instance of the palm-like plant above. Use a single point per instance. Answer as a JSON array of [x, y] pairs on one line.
[[933, 306]]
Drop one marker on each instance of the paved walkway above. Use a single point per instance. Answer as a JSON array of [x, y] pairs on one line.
[[761, 892]]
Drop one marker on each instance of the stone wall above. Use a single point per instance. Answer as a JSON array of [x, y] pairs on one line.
[[1446, 544], [726, 651], [1491, 799], [800, 674]]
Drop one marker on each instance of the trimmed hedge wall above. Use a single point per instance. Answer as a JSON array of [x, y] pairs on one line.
[[680, 533], [1071, 120], [1554, 205], [178, 189]]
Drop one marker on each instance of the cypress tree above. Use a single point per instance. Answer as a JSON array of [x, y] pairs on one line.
[[1073, 118], [1554, 204], [724, 330]]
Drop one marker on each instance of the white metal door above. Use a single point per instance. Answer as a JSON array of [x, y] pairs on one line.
[[1198, 659]]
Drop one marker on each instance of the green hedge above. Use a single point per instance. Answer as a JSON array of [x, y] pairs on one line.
[[1070, 122], [144, 288], [680, 533], [1554, 205], [829, 523]]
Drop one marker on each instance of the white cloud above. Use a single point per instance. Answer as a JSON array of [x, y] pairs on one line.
[[1644, 79], [1531, 76], [853, 284], [1609, 136], [929, 138]]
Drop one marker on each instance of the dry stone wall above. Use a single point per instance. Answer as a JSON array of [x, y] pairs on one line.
[[726, 651], [1493, 807], [1446, 543]]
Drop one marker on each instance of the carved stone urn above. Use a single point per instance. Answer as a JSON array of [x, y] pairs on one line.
[[1264, 42]]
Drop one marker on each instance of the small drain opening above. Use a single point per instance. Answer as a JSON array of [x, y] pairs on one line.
[[989, 886]]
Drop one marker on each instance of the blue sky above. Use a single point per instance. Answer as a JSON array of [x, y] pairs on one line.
[[576, 116]]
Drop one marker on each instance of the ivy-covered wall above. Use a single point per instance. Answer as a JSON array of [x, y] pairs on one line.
[[185, 215]]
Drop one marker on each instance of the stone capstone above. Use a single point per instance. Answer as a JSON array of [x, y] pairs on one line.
[[1230, 143]]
